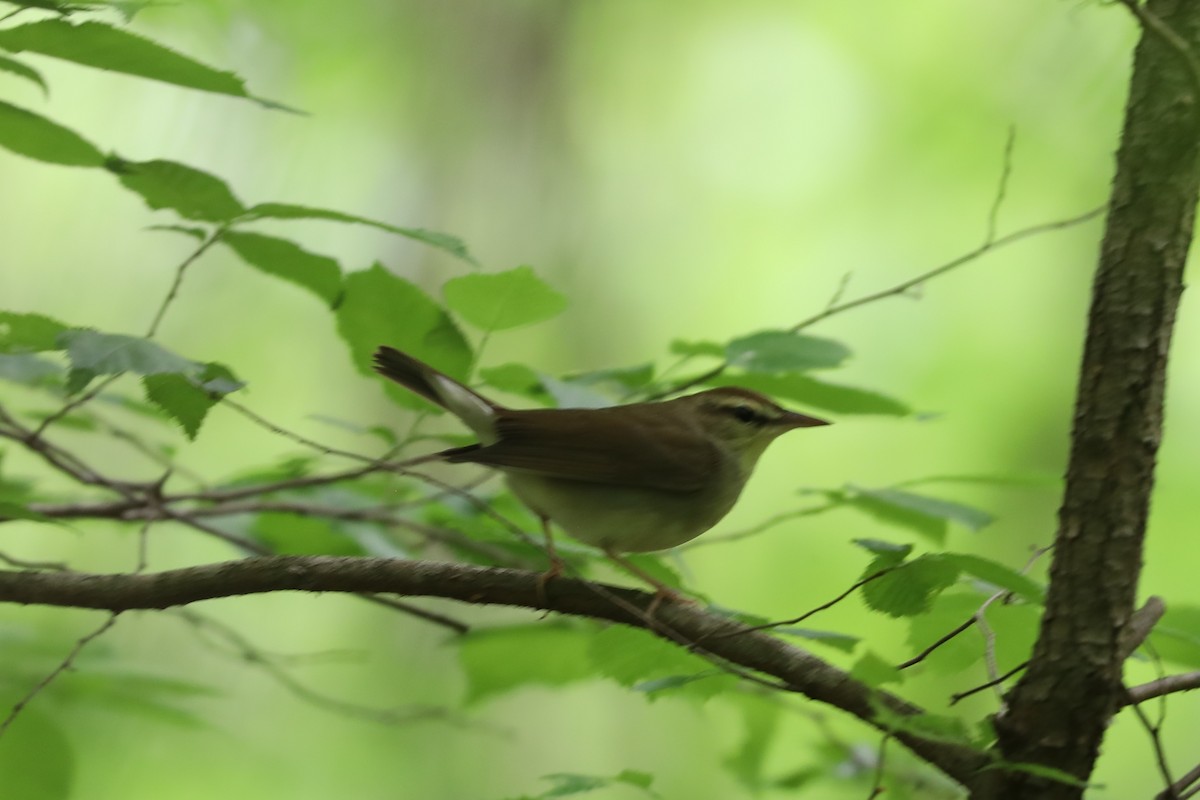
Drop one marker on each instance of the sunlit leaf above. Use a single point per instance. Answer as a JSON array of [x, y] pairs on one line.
[[502, 300], [285, 259], [34, 136], [442, 241], [189, 192], [784, 351]]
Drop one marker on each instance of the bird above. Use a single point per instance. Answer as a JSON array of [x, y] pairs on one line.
[[630, 478]]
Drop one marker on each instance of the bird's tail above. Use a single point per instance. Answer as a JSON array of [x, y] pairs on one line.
[[475, 410]]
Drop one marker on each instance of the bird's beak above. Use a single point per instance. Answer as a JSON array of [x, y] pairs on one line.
[[794, 420]]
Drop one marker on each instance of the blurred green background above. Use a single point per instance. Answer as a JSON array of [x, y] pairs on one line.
[[689, 170]]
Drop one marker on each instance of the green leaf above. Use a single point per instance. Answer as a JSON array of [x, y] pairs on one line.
[[514, 379], [999, 575], [189, 192], [938, 727], [28, 369], [680, 347], [381, 308], [34, 136], [503, 300], [911, 587], [817, 394], [113, 353], [784, 351], [568, 784], [880, 547], [887, 555], [103, 46], [1176, 637], [199, 234], [946, 613], [874, 671], [37, 761], [9, 510], [295, 535], [618, 379], [630, 656], [443, 241], [1040, 771], [838, 641], [927, 516], [285, 259], [186, 400], [567, 394], [15, 67], [28, 333], [761, 719], [499, 660]]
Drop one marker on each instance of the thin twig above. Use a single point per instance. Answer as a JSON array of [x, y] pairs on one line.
[[20, 563], [1005, 174], [247, 652], [1002, 595], [902, 288], [954, 698], [178, 281], [1160, 756], [928, 651], [72, 405], [880, 762], [62, 667], [830, 604], [1179, 789], [761, 527]]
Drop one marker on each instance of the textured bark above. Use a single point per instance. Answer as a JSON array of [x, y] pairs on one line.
[[1057, 713], [731, 643]]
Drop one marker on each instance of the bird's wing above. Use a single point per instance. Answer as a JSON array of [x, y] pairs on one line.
[[615, 450]]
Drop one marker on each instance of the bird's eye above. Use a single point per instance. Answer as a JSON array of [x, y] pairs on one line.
[[744, 413]]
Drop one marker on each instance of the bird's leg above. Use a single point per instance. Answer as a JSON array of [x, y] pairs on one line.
[[662, 592], [556, 563]]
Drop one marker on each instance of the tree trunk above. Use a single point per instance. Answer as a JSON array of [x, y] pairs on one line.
[[1057, 713]]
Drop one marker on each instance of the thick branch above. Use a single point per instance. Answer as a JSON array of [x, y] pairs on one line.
[[1059, 709], [718, 636]]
